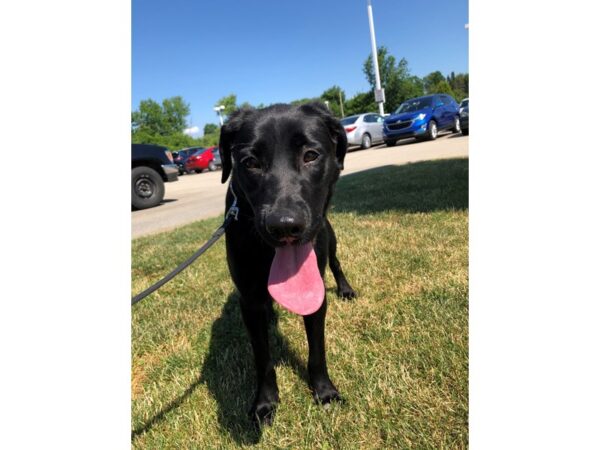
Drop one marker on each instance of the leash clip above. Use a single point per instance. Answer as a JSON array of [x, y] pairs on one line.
[[233, 211]]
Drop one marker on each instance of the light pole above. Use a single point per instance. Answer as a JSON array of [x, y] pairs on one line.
[[218, 109], [379, 93]]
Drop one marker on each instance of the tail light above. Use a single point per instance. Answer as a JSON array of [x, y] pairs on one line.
[[350, 129]]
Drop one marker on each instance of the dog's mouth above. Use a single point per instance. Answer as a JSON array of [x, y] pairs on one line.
[[294, 279]]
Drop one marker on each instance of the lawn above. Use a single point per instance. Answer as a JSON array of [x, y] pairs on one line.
[[398, 353]]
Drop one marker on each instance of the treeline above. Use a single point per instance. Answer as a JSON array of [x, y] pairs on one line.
[[164, 124]]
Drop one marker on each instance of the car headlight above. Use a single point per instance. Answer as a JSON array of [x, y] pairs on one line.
[[420, 116]]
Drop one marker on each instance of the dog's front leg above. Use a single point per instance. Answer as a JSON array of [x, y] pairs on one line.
[[256, 318], [323, 389]]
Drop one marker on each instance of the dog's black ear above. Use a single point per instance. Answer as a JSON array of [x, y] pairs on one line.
[[228, 131], [336, 130], [341, 143]]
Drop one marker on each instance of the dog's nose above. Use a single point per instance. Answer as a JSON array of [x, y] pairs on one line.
[[285, 227]]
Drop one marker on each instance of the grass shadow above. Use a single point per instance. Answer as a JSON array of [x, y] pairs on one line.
[[417, 187], [228, 370]]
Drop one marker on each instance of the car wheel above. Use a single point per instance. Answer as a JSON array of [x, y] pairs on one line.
[[432, 130], [465, 131], [212, 166], [147, 187], [390, 143], [456, 127], [365, 142]]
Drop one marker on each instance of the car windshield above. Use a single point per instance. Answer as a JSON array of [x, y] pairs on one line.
[[416, 104], [464, 103], [199, 152], [348, 120]]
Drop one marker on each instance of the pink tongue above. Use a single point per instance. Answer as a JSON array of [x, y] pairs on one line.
[[294, 281]]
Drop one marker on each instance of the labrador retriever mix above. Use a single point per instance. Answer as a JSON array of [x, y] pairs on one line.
[[284, 162]]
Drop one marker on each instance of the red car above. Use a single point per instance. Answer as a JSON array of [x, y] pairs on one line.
[[202, 159]]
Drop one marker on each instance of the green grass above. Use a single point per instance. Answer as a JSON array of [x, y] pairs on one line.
[[398, 353]]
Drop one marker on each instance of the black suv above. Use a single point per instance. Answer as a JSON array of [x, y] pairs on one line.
[[151, 166]]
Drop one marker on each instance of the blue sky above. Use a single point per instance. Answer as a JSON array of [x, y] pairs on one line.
[[277, 51]]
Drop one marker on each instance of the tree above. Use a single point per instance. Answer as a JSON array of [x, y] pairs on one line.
[[209, 140], [211, 135], [431, 80], [210, 128], [395, 78], [158, 124], [443, 87], [154, 119], [229, 102], [456, 85], [387, 67], [148, 118], [459, 84], [335, 97], [360, 103], [173, 142], [302, 101], [175, 110], [413, 87]]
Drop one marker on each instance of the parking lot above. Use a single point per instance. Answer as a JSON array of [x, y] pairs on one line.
[[199, 196]]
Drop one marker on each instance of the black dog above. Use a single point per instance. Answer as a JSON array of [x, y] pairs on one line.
[[285, 161]]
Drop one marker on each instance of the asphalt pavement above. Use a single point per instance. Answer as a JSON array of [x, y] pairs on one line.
[[200, 196]]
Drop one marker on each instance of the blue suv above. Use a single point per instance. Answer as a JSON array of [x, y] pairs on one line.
[[422, 118]]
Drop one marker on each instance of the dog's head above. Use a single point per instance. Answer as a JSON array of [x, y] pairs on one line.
[[284, 160]]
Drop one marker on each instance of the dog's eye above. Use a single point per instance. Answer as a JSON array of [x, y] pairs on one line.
[[251, 163], [310, 156]]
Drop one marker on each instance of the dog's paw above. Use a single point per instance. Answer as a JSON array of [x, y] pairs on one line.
[[324, 393], [262, 413], [347, 293]]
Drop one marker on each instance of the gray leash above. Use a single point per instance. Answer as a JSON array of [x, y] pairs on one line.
[[232, 214]]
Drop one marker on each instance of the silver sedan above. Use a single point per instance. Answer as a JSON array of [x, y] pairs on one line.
[[363, 129]]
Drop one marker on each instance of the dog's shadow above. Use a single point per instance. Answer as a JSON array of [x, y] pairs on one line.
[[228, 369], [228, 372]]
